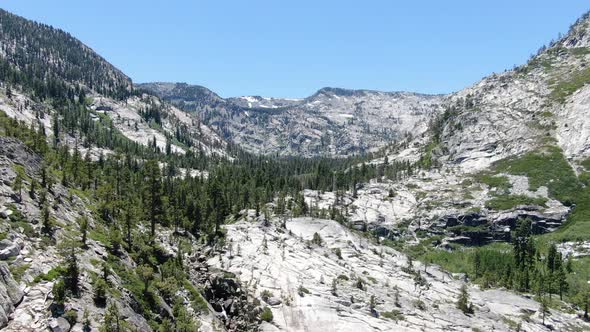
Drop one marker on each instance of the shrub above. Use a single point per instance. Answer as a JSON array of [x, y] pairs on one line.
[[71, 316], [266, 294], [59, 292], [338, 253], [463, 301], [317, 239], [420, 304], [100, 292], [494, 181], [394, 314], [266, 315], [343, 277], [302, 291], [360, 284]]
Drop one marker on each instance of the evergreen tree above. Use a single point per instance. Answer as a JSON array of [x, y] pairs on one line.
[[100, 292], [112, 320], [71, 275], [145, 274], [17, 184], [46, 228], [83, 222], [463, 301], [59, 292], [477, 264], [154, 194], [544, 308], [335, 287], [33, 189]]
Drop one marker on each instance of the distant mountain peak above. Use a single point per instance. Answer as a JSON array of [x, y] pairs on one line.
[[180, 90]]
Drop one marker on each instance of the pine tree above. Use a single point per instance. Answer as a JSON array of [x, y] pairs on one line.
[[100, 292], [145, 274], [561, 280], [46, 228], [463, 301], [115, 240], [582, 299], [544, 308], [33, 189], [59, 292], [72, 273], [112, 321], [86, 323], [129, 217], [217, 205], [83, 222], [552, 258], [17, 185], [335, 287], [154, 194], [477, 264]]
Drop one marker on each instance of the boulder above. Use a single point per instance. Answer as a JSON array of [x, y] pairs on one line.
[[10, 294], [273, 301], [5, 213], [59, 324], [359, 225], [9, 249]]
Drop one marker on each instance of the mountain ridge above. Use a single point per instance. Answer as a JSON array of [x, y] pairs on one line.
[[331, 122], [119, 211]]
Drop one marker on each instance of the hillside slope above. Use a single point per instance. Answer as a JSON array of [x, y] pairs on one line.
[[53, 81], [100, 229]]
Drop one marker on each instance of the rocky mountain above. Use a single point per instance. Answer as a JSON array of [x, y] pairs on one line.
[[124, 207], [332, 122], [46, 58], [47, 73]]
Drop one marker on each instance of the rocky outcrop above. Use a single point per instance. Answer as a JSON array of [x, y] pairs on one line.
[[233, 306], [330, 287], [479, 229], [59, 324], [9, 249], [10, 294]]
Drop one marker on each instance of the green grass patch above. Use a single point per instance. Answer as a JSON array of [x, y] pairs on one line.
[[580, 51], [456, 261], [19, 271], [197, 301], [98, 234], [395, 315], [506, 202], [494, 257], [577, 225], [51, 275], [586, 163], [546, 114], [493, 181], [567, 87], [544, 168]]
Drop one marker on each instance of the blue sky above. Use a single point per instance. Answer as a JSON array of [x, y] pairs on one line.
[[292, 48]]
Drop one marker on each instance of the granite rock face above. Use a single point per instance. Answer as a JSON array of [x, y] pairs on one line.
[[10, 294]]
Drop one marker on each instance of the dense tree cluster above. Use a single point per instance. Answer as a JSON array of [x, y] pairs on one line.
[[527, 268], [53, 64]]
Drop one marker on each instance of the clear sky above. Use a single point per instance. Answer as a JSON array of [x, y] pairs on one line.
[[287, 48]]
